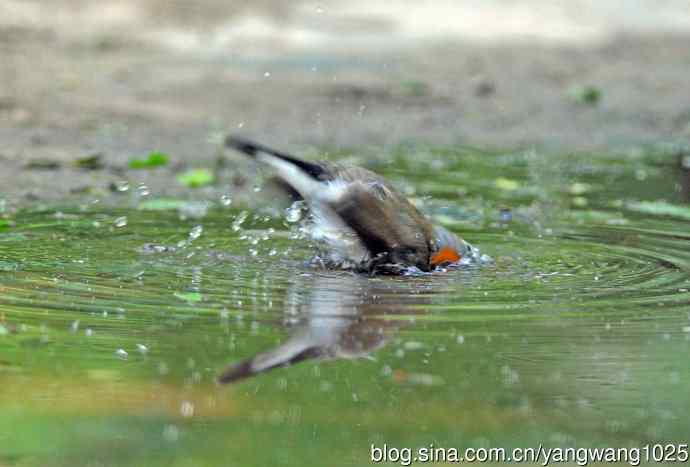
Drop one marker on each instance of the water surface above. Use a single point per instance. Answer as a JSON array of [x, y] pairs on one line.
[[117, 317]]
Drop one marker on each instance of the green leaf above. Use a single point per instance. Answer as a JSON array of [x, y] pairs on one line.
[[660, 208], [196, 178], [579, 201], [92, 162], [586, 95], [161, 204], [506, 184], [191, 297], [154, 159], [43, 164], [579, 188]]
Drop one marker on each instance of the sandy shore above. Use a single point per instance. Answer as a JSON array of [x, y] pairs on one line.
[[124, 78]]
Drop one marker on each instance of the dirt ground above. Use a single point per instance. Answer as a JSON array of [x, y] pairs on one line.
[[125, 78]]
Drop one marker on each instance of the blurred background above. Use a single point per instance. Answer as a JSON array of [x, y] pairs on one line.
[[127, 77], [137, 259]]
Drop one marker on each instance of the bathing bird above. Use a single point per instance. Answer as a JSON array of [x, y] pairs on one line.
[[362, 221]]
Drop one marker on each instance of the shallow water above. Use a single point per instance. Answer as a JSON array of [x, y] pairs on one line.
[[578, 333]]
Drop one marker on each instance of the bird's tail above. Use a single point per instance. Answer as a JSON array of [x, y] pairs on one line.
[[304, 177]]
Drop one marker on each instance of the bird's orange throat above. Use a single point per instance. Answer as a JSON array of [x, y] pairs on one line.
[[445, 255]]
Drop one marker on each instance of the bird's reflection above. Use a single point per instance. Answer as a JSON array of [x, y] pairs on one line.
[[333, 316]]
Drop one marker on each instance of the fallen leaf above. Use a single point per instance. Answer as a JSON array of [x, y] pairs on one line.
[[154, 159], [191, 297], [196, 178]]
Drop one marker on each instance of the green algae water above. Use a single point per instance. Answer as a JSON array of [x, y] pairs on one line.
[[116, 319]]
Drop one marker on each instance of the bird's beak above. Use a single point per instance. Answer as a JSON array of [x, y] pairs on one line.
[[445, 255]]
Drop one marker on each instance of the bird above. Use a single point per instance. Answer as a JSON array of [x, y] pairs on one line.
[[362, 221]]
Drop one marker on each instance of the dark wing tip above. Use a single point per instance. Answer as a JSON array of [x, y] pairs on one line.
[[250, 367], [243, 145], [250, 148], [237, 372]]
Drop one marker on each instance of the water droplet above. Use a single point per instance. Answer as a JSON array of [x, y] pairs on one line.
[[239, 220], [273, 252], [187, 409], [142, 348], [195, 232], [253, 252], [460, 339], [122, 185], [143, 190], [294, 212], [226, 200], [171, 433], [326, 386], [257, 188], [240, 125], [121, 221], [510, 376], [75, 326], [267, 74], [413, 345], [122, 354], [88, 332], [193, 210]]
